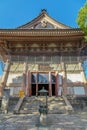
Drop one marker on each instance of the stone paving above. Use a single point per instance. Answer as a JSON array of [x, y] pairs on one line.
[[54, 122]]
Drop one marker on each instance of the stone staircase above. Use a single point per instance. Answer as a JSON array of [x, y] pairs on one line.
[[12, 103], [79, 104], [30, 105], [56, 105]]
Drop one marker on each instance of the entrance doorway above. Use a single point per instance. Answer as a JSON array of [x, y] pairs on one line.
[[53, 89], [40, 86], [33, 89]]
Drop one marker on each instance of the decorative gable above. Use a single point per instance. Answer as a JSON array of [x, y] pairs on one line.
[[43, 21]]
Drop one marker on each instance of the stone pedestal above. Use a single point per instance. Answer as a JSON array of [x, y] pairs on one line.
[[4, 105], [5, 100], [43, 119]]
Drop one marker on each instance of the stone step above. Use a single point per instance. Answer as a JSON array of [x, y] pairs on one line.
[[55, 105], [18, 106], [28, 112], [31, 105]]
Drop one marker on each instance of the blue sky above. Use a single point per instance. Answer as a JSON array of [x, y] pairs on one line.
[[14, 13]]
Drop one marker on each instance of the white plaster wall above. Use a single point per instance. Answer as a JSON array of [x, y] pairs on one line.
[[74, 78], [15, 78]]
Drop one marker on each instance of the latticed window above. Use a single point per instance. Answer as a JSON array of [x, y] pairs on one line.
[[56, 59], [79, 90], [14, 58], [47, 59], [76, 90], [66, 59], [39, 59], [21, 58], [31, 59], [74, 59]]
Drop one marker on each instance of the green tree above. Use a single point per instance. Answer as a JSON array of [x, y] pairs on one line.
[[82, 19]]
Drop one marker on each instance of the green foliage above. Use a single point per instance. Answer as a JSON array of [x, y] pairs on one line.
[[82, 18], [86, 38]]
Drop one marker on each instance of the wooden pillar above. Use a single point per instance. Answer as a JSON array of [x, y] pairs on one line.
[[64, 89], [37, 84], [29, 78], [24, 78], [24, 83], [27, 84], [5, 76], [56, 84], [28, 87], [50, 85]]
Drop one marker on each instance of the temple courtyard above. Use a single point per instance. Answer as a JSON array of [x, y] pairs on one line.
[[54, 122]]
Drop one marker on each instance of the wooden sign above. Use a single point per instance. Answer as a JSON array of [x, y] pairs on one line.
[[44, 67]]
